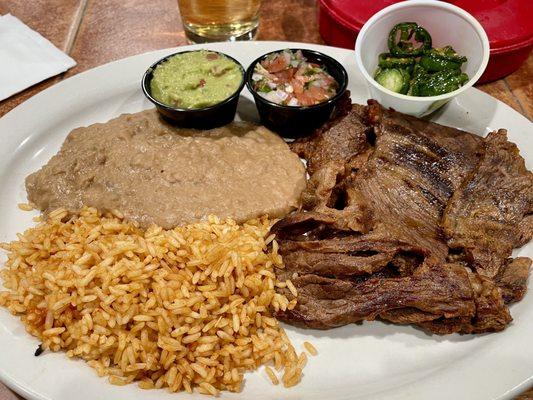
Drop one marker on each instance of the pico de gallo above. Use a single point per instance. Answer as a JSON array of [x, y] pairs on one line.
[[289, 79]]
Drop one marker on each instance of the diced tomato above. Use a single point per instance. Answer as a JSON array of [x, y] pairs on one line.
[[285, 75], [328, 79], [297, 86], [304, 99], [319, 94], [305, 79], [277, 64]]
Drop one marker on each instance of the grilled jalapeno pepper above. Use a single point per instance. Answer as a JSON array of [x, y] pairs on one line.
[[414, 68], [448, 53], [440, 59], [441, 82], [395, 79], [387, 60], [403, 46], [419, 74]]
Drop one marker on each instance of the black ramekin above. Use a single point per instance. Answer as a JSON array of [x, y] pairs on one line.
[[298, 121], [200, 118]]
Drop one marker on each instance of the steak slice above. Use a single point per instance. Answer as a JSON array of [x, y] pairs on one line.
[[512, 279], [343, 264], [349, 256], [370, 244], [327, 194], [435, 290], [491, 313], [412, 173], [339, 140], [492, 211]]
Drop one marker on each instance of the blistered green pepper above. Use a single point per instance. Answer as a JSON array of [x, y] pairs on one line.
[[446, 81], [403, 46], [419, 74], [387, 60], [440, 59]]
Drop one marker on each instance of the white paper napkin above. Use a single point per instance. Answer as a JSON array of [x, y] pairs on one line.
[[26, 57]]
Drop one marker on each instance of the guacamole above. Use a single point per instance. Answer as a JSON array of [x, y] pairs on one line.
[[196, 79]]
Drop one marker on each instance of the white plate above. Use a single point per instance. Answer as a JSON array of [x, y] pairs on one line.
[[369, 361]]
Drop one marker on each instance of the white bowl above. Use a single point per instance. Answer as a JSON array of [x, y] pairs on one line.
[[447, 24]]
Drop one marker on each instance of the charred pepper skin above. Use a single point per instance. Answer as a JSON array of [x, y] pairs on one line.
[[403, 47], [440, 59], [425, 84]]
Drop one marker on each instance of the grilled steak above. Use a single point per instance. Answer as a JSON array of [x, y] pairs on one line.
[[340, 140], [492, 213], [432, 290], [512, 279], [491, 313], [390, 227], [414, 169]]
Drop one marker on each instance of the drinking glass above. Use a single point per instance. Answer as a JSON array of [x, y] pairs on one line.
[[219, 20]]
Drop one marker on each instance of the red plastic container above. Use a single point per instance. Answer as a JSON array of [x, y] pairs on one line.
[[508, 23]]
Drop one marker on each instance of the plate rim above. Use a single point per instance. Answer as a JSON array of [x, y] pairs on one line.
[[26, 391]]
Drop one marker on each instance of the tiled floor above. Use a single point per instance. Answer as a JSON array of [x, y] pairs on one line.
[[94, 32]]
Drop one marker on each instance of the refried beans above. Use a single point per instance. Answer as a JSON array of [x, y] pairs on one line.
[[155, 173]]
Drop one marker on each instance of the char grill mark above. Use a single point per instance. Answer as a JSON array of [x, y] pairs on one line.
[[491, 213], [400, 183], [389, 226], [428, 167]]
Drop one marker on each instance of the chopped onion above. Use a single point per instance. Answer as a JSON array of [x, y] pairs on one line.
[[287, 57], [256, 77], [260, 69], [282, 95], [293, 102], [271, 96]]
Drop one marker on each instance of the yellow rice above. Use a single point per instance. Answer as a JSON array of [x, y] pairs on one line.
[[310, 348], [272, 375], [25, 206], [186, 309]]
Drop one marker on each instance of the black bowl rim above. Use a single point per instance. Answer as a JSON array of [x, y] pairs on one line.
[[151, 68], [342, 85]]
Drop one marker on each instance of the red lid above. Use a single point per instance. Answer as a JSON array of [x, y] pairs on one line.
[[508, 23], [354, 13]]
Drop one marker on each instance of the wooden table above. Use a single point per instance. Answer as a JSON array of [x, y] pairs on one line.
[[95, 32]]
